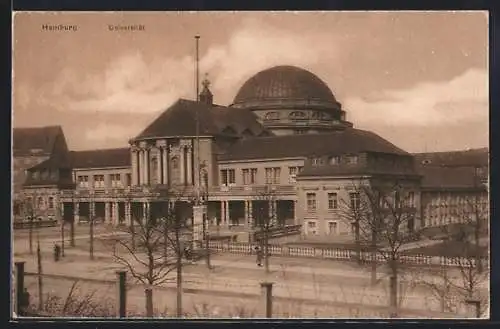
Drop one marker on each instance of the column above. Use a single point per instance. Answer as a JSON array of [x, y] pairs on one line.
[[148, 211], [144, 210], [159, 165], [250, 213], [226, 213], [182, 164], [146, 165], [189, 161], [165, 164], [272, 212], [247, 214], [117, 213], [92, 210], [222, 212], [295, 217], [107, 218], [114, 213], [140, 177], [76, 209], [128, 215], [134, 167]]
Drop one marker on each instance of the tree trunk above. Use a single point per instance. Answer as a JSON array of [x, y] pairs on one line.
[[393, 291], [179, 271], [149, 302], [31, 235], [62, 238], [374, 259], [374, 268], [40, 281], [72, 233], [91, 233], [132, 230], [266, 250], [444, 292], [358, 243]]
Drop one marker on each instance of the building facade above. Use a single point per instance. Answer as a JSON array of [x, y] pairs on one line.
[[283, 147]]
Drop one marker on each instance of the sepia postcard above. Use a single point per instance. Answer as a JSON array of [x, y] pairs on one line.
[[249, 165]]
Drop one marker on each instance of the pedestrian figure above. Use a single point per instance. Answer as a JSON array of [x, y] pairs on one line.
[[258, 251]]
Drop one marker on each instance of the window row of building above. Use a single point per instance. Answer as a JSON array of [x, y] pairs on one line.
[[99, 181], [42, 202], [250, 176]]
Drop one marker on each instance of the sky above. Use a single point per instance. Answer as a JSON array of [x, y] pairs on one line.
[[418, 79]]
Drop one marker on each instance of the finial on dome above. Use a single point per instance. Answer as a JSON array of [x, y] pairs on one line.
[[206, 95], [205, 83]]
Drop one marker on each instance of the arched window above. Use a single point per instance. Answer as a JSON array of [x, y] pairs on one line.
[[175, 163], [298, 115], [270, 116]]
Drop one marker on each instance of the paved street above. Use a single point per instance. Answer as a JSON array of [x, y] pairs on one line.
[[308, 279]]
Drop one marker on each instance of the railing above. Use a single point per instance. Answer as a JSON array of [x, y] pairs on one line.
[[278, 232], [26, 224], [159, 190], [339, 254]]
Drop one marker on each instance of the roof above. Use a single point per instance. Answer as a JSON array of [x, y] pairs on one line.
[[334, 170], [35, 140], [339, 142], [180, 120], [54, 162], [105, 158], [284, 82], [472, 157], [435, 177]]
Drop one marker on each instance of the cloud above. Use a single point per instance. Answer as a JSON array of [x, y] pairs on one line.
[[130, 84], [108, 134], [458, 101]]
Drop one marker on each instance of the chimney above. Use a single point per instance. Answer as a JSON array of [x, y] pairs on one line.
[[206, 95]]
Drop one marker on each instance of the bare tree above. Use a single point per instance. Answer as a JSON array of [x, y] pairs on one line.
[[157, 249], [265, 220], [382, 217]]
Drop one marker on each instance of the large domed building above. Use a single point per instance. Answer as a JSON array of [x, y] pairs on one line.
[[282, 149], [288, 99]]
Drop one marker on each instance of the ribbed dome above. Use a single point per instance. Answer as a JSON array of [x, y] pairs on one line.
[[284, 83]]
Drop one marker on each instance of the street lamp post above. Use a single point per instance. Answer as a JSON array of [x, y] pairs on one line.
[[91, 225]]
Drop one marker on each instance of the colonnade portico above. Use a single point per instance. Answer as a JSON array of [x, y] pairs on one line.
[[143, 154], [252, 210]]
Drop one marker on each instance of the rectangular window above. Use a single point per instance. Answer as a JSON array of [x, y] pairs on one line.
[[311, 202], [332, 201], [232, 176], [116, 180], [83, 181], [293, 171], [253, 176], [98, 181], [223, 177], [249, 176], [228, 177], [332, 228], [334, 160], [352, 159], [128, 179], [273, 175], [317, 161], [355, 201], [51, 202], [411, 199], [311, 228], [246, 176]]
